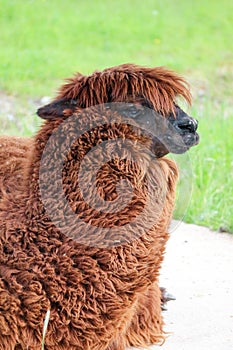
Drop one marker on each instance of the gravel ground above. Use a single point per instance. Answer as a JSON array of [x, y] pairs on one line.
[[198, 270]]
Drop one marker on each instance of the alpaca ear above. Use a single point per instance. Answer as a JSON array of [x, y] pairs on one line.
[[57, 109]]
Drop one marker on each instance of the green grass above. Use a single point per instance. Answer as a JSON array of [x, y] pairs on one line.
[[209, 166], [44, 41]]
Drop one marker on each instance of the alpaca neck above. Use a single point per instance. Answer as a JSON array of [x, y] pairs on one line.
[[34, 202], [53, 176]]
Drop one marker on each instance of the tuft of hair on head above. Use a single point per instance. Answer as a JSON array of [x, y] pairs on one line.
[[159, 86]]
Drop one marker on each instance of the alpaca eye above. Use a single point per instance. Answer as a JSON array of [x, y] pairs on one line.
[[133, 112]]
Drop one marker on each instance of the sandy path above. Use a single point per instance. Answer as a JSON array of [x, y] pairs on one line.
[[198, 270]]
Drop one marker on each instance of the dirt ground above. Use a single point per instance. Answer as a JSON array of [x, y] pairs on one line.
[[198, 270]]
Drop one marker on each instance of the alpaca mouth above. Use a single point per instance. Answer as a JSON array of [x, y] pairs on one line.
[[174, 143], [191, 139], [187, 131], [181, 143]]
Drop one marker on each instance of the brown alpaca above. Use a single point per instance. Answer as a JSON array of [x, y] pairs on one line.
[[101, 286]]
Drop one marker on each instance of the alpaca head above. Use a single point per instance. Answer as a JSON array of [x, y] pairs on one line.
[[148, 95]]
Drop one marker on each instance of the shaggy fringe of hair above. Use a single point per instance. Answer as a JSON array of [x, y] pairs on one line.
[[159, 86]]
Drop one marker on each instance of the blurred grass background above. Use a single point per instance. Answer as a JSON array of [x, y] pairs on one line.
[[42, 42]]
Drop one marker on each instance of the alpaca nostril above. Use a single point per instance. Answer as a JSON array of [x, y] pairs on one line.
[[188, 125], [193, 125]]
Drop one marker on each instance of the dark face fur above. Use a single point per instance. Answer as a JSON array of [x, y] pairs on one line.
[[186, 128], [174, 133]]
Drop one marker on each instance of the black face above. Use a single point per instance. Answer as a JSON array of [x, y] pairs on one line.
[[169, 134], [186, 128], [173, 134]]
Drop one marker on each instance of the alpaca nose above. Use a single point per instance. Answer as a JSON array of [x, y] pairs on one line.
[[187, 124]]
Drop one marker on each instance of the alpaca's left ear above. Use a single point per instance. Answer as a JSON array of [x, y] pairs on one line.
[[57, 109]]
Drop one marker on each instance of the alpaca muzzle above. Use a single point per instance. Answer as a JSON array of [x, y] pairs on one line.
[[184, 130]]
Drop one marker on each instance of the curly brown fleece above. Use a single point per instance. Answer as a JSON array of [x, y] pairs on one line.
[[13, 153], [100, 297]]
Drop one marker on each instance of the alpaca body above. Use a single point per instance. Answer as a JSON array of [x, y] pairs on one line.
[[95, 270], [97, 296]]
